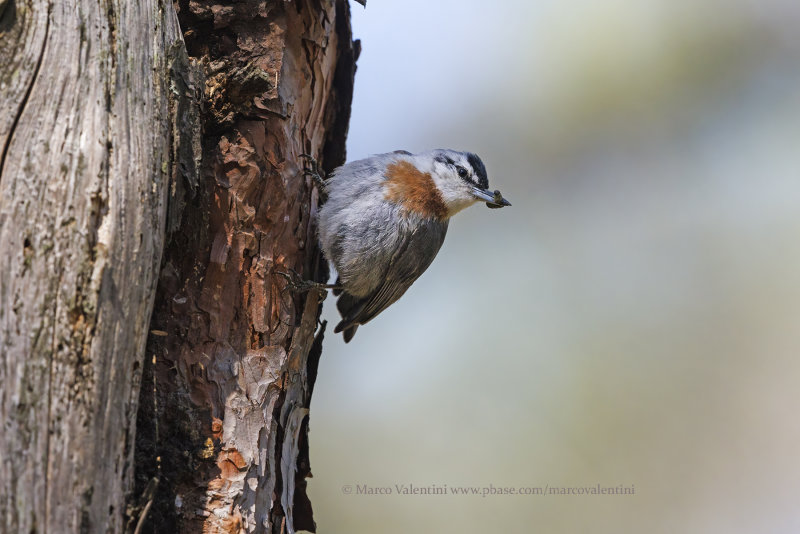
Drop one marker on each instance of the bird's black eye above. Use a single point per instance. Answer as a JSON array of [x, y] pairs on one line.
[[462, 172]]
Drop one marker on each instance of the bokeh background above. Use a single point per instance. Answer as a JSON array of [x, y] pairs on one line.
[[633, 319]]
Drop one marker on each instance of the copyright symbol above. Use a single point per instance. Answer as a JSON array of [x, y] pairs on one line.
[[347, 489]]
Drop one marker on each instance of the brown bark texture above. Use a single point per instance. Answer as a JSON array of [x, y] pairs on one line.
[[232, 359], [86, 141]]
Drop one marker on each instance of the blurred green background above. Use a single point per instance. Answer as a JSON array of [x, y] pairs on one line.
[[633, 319]]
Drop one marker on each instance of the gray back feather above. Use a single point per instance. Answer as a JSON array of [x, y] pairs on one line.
[[418, 249], [377, 249]]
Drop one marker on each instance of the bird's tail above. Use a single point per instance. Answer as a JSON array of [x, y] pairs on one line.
[[349, 306]]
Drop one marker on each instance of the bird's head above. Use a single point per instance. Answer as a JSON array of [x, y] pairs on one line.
[[439, 183], [461, 179]]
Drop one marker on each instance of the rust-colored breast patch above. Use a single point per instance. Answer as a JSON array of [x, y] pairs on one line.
[[414, 190]]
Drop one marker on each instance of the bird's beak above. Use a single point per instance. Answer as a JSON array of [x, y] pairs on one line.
[[493, 199]]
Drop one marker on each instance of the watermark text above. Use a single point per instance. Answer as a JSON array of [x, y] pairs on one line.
[[408, 489]]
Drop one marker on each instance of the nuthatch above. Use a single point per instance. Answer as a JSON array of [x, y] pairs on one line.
[[385, 219]]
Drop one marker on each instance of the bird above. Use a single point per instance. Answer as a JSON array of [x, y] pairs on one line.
[[385, 218]]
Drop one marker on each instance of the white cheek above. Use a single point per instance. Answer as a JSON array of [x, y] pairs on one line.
[[457, 197], [456, 194], [460, 204]]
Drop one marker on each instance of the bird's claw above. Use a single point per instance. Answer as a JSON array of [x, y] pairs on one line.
[[296, 283], [311, 168]]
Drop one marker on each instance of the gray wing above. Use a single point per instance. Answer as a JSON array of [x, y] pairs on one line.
[[408, 263]]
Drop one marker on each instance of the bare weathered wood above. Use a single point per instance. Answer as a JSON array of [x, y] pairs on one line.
[[85, 134], [225, 399], [96, 103]]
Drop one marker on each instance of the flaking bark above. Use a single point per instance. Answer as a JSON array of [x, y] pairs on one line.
[[227, 388], [101, 157]]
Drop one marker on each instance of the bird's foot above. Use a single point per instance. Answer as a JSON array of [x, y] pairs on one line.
[[296, 283], [311, 168]]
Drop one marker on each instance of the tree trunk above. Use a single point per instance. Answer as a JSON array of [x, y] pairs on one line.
[[224, 408], [85, 141], [100, 133]]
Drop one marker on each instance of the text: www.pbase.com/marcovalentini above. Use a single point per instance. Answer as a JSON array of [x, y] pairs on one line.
[[486, 491]]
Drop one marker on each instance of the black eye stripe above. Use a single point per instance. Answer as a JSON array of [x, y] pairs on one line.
[[480, 170], [445, 159], [475, 171]]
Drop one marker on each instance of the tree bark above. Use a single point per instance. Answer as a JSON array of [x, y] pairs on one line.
[[86, 135], [223, 421], [100, 139]]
